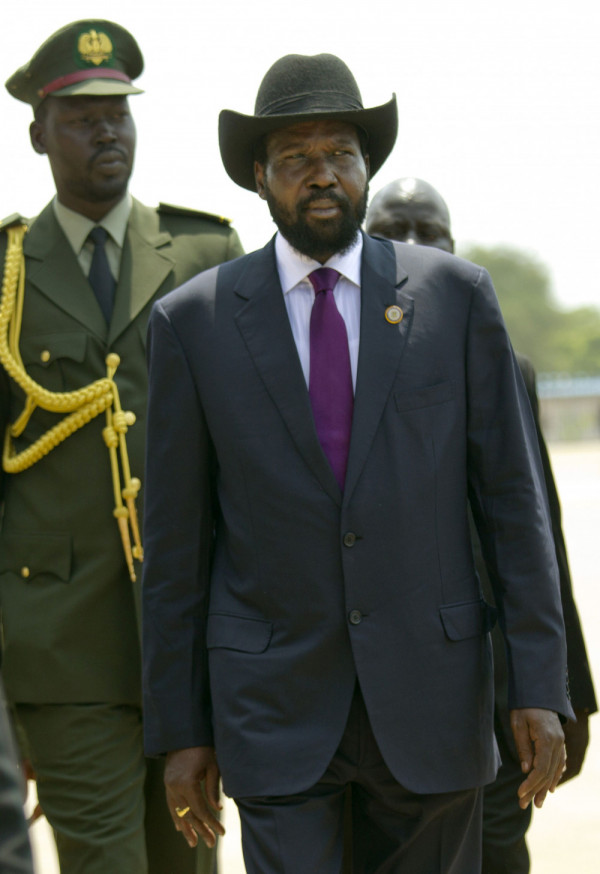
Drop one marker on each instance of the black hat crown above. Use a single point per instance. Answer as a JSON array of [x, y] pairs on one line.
[[299, 84], [304, 88]]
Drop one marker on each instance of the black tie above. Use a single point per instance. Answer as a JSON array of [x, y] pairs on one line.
[[100, 277]]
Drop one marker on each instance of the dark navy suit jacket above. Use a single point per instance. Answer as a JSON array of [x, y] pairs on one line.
[[268, 592]]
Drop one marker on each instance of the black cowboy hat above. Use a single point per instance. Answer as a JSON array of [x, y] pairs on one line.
[[304, 88]]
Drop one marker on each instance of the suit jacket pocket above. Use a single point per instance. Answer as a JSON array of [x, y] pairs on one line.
[[240, 633], [428, 396], [31, 556], [467, 619]]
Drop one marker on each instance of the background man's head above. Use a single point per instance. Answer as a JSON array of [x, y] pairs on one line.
[[309, 150], [411, 211], [77, 83]]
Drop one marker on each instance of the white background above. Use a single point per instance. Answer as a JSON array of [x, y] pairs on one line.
[[499, 108]]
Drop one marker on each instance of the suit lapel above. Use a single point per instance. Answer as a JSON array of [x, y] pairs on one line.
[[264, 324], [381, 346], [146, 262], [54, 270]]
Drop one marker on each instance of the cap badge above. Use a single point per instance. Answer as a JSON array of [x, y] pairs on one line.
[[394, 315], [94, 48]]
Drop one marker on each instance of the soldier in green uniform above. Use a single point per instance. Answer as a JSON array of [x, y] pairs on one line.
[[78, 286]]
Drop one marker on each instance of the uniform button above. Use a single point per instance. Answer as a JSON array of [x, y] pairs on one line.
[[355, 617], [45, 356], [349, 538], [25, 572]]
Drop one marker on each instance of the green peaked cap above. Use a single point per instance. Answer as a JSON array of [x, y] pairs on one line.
[[91, 57]]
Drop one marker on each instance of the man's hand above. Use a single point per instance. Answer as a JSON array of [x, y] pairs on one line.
[[577, 735], [540, 745], [185, 771]]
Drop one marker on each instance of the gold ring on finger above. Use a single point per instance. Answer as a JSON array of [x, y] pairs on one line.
[[181, 811]]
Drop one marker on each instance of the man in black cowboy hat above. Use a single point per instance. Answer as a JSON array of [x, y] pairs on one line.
[[318, 412]]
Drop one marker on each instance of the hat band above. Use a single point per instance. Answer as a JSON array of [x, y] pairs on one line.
[[311, 101], [80, 76]]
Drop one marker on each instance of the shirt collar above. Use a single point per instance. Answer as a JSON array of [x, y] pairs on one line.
[[293, 267], [76, 227]]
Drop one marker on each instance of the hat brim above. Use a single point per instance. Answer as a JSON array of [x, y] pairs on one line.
[[97, 88], [238, 135]]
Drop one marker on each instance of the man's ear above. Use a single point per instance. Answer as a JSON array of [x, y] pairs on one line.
[[259, 176], [36, 135], [367, 165]]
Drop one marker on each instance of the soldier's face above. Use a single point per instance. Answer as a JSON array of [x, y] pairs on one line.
[[90, 143], [314, 180]]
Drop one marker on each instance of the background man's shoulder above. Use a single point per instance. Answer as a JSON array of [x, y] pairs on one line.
[[431, 262], [194, 240], [195, 219], [12, 221], [182, 221]]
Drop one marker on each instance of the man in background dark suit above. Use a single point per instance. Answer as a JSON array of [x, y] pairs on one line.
[[318, 412], [412, 211]]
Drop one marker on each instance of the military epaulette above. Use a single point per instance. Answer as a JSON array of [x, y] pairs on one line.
[[14, 219], [170, 209]]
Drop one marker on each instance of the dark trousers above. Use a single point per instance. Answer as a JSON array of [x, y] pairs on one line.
[[505, 824], [394, 830]]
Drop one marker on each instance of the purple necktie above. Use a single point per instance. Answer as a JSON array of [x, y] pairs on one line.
[[330, 383]]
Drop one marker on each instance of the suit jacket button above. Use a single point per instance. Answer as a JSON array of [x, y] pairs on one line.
[[355, 617], [349, 538], [25, 572]]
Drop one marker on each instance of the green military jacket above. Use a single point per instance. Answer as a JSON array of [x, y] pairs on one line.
[[68, 606]]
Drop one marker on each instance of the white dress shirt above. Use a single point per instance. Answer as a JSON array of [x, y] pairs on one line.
[[299, 295]]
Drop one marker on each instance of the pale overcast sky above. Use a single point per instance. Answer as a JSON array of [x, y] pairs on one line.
[[498, 105]]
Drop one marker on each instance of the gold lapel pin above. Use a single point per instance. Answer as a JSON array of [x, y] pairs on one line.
[[394, 315]]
